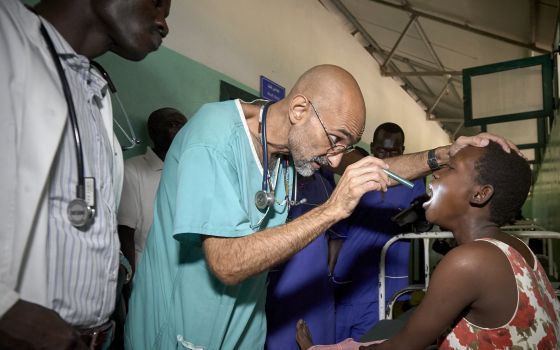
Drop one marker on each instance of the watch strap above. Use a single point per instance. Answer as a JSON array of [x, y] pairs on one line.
[[432, 160]]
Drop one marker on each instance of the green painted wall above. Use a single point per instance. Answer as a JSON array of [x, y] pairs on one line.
[[163, 79]]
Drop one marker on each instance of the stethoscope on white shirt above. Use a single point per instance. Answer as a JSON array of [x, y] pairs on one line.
[[81, 210], [265, 198]]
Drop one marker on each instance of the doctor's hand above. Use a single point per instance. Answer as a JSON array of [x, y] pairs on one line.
[[30, 326], [482, 140], [360, 177]]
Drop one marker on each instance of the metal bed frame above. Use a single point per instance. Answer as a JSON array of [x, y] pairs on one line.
[[525, 232]]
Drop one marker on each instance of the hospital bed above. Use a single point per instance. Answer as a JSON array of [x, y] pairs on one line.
[[524, 232]]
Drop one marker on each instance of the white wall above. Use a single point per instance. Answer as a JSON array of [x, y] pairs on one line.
[[280, 39]]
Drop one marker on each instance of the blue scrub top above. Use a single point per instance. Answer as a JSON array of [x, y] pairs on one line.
[[300, 287], [210, 177], [369, 228]]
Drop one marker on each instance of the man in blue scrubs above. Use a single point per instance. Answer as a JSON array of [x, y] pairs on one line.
[[201, 280], [300, 287], [369, 228]]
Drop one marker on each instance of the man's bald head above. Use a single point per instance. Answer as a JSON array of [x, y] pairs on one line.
[[327, 114], [336, 93]]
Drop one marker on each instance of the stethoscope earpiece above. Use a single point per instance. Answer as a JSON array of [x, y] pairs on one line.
[[295, 203]]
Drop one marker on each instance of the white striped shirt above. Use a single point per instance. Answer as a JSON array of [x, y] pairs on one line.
[[82, 263]]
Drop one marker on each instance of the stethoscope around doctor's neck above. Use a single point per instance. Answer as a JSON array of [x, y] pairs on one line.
[[81, 210], [265, 198]]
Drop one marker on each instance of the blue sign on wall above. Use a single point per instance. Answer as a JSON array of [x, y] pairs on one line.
[[271, 90]]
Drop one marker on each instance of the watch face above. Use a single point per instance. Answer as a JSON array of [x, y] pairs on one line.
[[432, 160]]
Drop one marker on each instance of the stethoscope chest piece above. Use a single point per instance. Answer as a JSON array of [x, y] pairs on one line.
[[79, 212], [264, 199]]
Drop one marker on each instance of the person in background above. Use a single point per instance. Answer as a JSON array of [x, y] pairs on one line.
[[355, 274], [58, 268], [201, 282], [490, 292], [141, 180], [300, 287]]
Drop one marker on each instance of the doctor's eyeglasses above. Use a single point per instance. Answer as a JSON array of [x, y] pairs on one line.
[[335, 148]]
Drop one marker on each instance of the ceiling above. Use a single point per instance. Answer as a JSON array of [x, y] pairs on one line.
[[424, 44]]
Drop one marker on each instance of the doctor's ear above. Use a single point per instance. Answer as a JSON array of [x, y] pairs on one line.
[[482, 195], [299, 105]]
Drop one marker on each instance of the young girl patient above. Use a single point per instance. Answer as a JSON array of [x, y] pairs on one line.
[[490, 292]]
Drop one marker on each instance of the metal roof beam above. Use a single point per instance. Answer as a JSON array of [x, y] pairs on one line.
[[423, 81], [447, 120], [462, 26], [555, 36], [373, 45], [412, 18], [435, 56], [414, 63], [423, 74], [421, 93], [439, 96], [459, 127], [533, 20], [352, 19]]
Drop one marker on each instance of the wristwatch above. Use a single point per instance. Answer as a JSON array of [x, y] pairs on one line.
[[432, 160]]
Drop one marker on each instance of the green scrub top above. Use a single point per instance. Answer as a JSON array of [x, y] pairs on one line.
[[208, 185]]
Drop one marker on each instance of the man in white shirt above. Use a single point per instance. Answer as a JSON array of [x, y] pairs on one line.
[[141, 180], [58, 275]]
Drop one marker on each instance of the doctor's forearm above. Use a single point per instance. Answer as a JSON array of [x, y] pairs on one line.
[[415, 165], [235, 259]]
